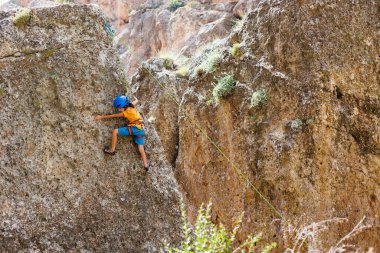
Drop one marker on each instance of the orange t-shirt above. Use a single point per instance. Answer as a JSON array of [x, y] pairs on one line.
[[133, 116]]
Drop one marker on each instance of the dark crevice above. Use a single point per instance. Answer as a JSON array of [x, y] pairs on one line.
[[338, 93]]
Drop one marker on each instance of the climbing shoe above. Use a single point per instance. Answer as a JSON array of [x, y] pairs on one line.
[[108, 151]]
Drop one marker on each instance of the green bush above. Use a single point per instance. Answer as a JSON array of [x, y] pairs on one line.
[[259, 97], [208, 237], [175, 4], [22, 18], [224, 87]]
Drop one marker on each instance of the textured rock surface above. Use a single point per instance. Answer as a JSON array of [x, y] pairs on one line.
[[118, 10], [312, 149], [146, 28], [182, 32], [58, 192]]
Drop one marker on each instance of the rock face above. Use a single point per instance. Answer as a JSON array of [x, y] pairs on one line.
[[118, 10], [302, 125], [182, 32], [146, 28], [58, 192]]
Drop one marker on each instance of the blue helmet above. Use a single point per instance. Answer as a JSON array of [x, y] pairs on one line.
[[120, 102]]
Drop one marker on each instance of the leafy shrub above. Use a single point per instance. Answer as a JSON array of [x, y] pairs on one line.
[[235, 49], [208, 237], [22, 18], [175, 4], [224, 87], [259, 97]]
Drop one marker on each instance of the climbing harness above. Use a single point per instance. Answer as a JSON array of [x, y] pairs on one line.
[[237, 170]]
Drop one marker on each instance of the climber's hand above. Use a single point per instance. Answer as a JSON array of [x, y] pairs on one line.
[[134, 102], [98, 118]]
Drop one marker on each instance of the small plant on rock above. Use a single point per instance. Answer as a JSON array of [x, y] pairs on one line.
[[175, 4], [183, 71], [224, 87], [170, 59], [210, 63], [235, 49], [295, 124], [22, 18], [213, 60], [259, 97]]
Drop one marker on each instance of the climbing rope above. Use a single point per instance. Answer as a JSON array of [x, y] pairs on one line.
[[236, 168]]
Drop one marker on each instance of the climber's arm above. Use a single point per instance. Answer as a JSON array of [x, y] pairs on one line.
[[99, 117]]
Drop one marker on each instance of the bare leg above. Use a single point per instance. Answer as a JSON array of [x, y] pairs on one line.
[[143, 155], [114, 139]]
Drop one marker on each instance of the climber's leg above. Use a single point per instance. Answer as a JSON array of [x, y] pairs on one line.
[[143, 156]]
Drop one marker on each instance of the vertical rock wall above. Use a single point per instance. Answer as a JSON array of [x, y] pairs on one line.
[[58, 192], [312, 147]]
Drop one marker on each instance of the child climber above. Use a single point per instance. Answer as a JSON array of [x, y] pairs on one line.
[[135, 126]]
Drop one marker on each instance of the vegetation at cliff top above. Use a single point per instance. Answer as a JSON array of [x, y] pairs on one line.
[[22, 18], [224, 87], [208, 237], [175, 4]]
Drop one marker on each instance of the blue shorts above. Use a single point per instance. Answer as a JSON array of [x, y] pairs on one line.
[[138, 135]]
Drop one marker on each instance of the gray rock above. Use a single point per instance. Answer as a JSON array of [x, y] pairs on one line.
[[58, 191]]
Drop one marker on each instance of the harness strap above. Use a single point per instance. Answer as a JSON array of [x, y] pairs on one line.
[[131, 133], [138, 122]]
